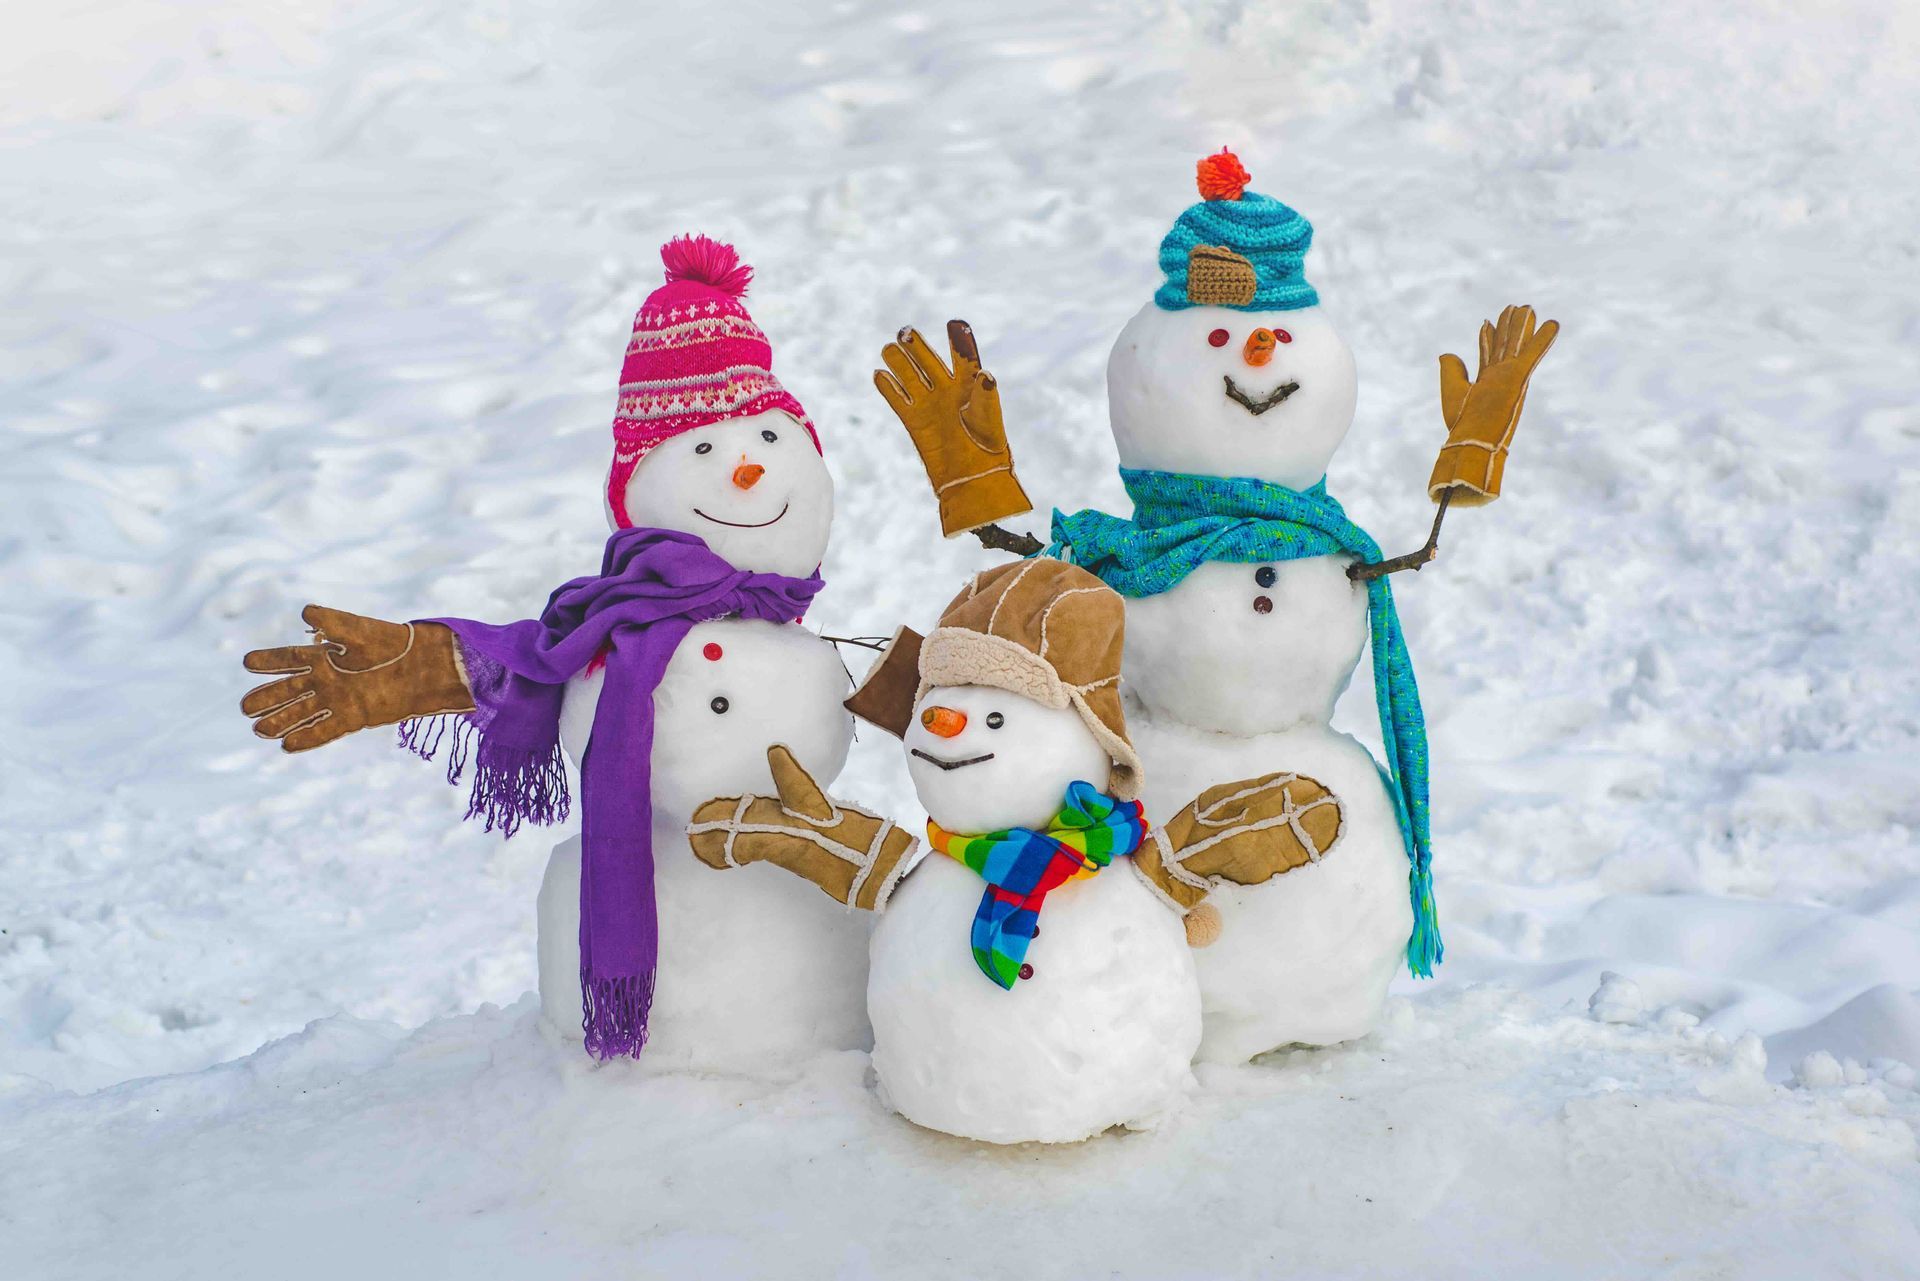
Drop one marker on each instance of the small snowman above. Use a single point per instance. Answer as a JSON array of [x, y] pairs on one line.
[[678, 665], [1021, 987], [1249, 593]]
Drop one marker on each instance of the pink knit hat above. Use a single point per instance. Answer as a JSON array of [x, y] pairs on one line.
[[696, 358]]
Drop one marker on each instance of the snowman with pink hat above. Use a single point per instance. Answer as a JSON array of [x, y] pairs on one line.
[[664, 678]]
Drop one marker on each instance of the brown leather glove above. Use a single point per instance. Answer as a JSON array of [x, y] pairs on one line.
[[953, 417], [1481, 415], [359, 672], [1246, 833], [856, 857]]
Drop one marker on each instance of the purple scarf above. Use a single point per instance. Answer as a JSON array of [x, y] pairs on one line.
[[653, 586]]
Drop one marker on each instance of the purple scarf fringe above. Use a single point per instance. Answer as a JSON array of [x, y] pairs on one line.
[[509, 787]]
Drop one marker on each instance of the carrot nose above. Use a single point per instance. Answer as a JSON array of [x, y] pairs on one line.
[[747, 475], [1259, 349], [944, 721]]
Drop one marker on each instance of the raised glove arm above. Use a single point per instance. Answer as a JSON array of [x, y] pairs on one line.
[[855, 857], [953, 416], [1244, 833], [1482, 415], [359, 672]]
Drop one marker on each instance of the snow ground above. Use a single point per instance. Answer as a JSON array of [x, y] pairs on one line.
[[324, 301]]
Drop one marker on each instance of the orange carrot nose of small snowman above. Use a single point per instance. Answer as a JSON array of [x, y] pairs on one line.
[[1259, 349], [944, 721], [747, 475]]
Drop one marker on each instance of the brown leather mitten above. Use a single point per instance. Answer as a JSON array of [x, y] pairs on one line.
[[359, 672], [954, 419], [1481, 415], [1246, 833], [856, 857]]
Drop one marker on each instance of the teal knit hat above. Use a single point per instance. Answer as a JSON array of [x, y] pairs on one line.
[[1256, 229]]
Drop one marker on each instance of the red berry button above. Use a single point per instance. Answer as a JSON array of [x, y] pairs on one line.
[[1026, 971], [1283, 335], [1219, 337], [711, 652]]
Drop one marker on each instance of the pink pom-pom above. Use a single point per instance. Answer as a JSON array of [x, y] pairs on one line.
[[707, 262]]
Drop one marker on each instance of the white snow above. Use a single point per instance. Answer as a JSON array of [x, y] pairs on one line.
[[326, 301]]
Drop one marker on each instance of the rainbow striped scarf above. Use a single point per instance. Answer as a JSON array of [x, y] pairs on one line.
[[1021, 867]]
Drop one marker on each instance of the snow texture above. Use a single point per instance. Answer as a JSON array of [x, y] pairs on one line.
[[325, 301]]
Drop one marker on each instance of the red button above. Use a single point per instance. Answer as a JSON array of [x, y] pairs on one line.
[[1262, 605], [1026, 971], [711, 652]]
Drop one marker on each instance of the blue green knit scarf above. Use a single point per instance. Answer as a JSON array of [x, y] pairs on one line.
[[1181, 522]]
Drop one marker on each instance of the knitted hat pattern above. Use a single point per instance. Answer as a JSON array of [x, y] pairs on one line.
[[1269, 235], [695, 358]]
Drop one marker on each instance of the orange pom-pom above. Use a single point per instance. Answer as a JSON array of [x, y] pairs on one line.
[[1222, 176]]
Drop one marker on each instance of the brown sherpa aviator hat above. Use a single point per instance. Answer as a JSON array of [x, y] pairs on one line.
[[1039, 628]]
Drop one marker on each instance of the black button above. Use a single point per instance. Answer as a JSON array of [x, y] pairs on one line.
[[1265, 575], [1261, 605]]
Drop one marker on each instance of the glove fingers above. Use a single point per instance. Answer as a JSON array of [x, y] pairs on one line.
[[271, 697], [338, 624], [798, 791], [286, 660], [1538, 343], [894, 394], [316, 734], [1453, 387], [1486, 345], [902, 367], [288, 717], [965, 349], [932, 370]]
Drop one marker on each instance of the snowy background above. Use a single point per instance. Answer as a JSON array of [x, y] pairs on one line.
[[317, 300]]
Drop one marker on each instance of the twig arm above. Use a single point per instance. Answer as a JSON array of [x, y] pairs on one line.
[[1412, 560], [998, 539]]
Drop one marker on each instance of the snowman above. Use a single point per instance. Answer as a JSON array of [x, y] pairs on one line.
[[677, 666], [1021, 987], [1249, 594]]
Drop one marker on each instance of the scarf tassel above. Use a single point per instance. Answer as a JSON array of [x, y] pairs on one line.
[[1424, 948], [614, 1014], [510, 785]]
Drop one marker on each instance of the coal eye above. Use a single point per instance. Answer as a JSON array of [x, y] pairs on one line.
[[704, 447], [995, 720], [719, 705], [769, 436], [1219, 337], [1283, 335]]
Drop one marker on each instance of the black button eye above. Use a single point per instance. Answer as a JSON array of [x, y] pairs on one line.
[[769, 436], [719, 704], [1264, 575], [995, 720], [704, 447]]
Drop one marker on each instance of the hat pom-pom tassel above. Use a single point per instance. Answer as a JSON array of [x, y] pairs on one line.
[[706, 261], [1221, 176]]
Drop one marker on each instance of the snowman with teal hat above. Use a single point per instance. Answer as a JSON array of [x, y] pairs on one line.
[[1250, 594]]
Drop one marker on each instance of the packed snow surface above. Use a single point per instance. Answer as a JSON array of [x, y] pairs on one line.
[[326, 301]]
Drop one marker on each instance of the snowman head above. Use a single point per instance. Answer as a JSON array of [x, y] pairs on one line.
[[1232, 370], [706, 440], [1218, 391], [984, 759], [753, 487]]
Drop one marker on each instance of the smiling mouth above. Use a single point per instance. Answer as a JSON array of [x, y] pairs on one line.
[[971, 760], [734, 524], [1261, 406]]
